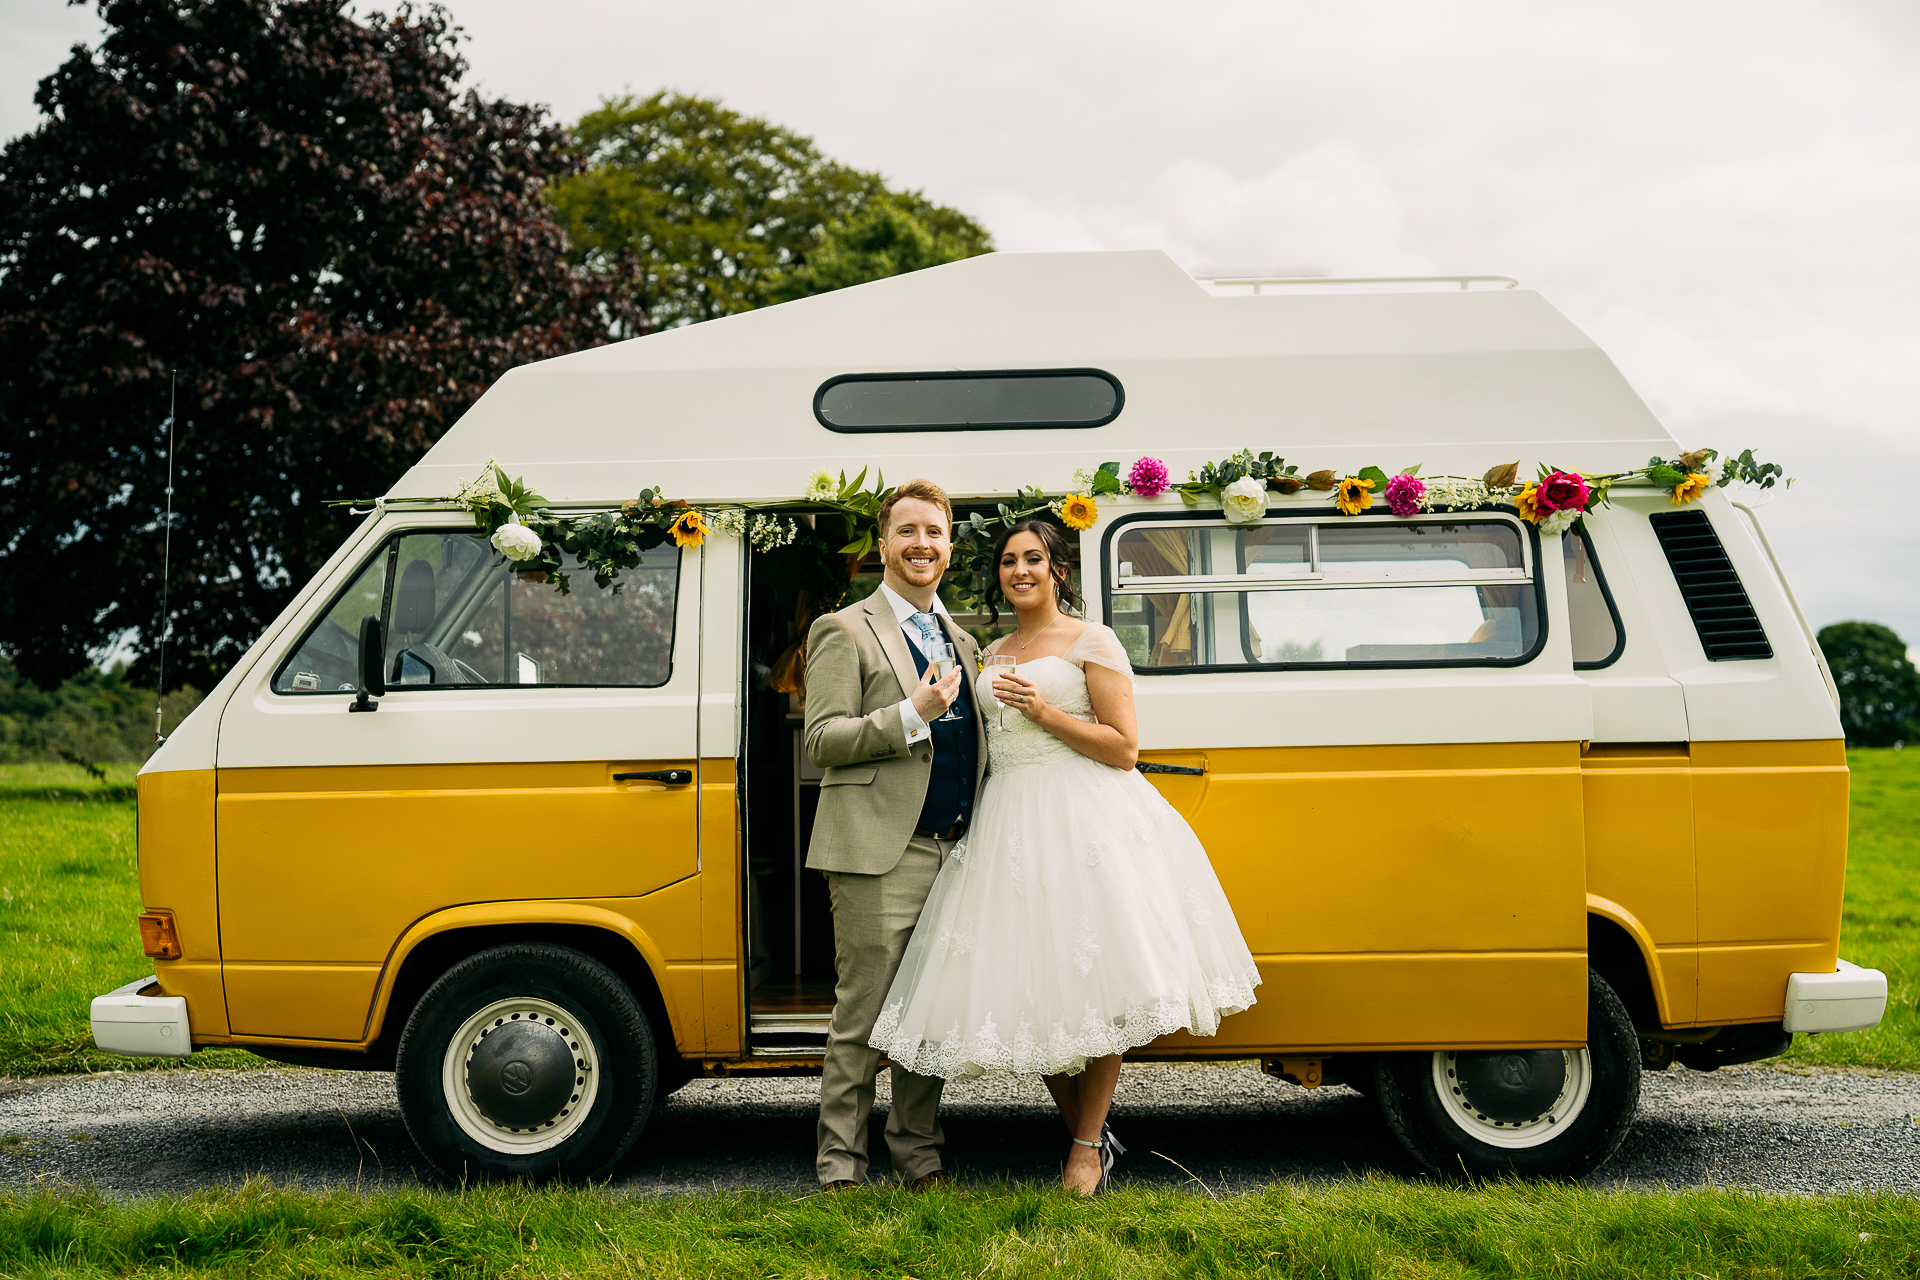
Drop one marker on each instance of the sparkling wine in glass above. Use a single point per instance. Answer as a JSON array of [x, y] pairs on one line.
[[943, 663], [998, 665]]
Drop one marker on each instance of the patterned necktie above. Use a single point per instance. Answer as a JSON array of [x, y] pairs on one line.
[[930, 632]]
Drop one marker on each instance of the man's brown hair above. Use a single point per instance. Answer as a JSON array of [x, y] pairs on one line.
[[924, 490]]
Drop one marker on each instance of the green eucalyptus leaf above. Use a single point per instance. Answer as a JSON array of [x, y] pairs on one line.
[[1376, 475]]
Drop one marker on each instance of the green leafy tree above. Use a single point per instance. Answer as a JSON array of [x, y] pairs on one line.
[[724, 212], [338, 251], [1879, 688], [94, 718]]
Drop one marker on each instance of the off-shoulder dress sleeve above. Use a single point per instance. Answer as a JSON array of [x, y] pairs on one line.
[[1098, 644]]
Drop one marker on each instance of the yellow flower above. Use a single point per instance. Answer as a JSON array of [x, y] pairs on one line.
[[690, 530], [1353, 495], [1528, 501], [1078, 512], [1690, 488]]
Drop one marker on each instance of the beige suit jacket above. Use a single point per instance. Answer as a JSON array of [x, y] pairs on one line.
[[859, 669]]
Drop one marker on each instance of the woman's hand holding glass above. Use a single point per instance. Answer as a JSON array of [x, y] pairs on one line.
[[1022, 694]]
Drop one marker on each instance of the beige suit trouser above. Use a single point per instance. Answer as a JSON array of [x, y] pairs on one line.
[[873, 916]]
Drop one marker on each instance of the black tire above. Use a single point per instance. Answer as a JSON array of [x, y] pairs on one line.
[[563, 1089], [1530, 1097]]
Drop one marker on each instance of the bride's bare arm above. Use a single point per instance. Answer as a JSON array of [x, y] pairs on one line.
[[1115, 740]]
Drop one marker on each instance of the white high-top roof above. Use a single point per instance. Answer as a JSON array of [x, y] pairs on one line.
[[1456, 381]]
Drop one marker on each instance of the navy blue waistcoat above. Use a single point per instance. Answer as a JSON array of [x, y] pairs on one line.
[[956, 753]]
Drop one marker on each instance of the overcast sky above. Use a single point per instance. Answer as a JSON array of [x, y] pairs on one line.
[[1725, 196]]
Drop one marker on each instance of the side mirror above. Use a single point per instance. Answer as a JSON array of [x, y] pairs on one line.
[[373, 664]]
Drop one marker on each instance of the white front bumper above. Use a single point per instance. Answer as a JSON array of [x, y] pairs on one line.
[[1848, 999], [126, 1022]]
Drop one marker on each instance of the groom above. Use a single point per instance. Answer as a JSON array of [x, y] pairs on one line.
[[897, 794]]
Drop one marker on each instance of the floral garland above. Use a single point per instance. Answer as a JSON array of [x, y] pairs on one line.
[[1555, 500], [525, 529]]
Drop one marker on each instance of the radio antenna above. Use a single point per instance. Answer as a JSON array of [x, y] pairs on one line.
[[166, 557]]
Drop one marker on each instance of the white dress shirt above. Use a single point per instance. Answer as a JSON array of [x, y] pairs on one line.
[[903, 609]]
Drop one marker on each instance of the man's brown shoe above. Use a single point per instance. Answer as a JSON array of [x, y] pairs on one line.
[[928, 1181], [839, 1184]]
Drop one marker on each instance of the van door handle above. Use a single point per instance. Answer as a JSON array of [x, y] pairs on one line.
[[672, 777], [1148, 766]]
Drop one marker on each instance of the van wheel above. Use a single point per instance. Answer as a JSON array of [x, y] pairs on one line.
[[1540, 1113], [526, 1061]]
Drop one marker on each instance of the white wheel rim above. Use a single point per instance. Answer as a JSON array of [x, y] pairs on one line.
[[1515, 1134], [468, 1114]]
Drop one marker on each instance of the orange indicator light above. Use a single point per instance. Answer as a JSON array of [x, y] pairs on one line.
[[157, 937]]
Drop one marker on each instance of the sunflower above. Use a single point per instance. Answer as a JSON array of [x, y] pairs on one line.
[[690, 530], [1528, 502], [1353, 495], [1690, 488], [1078, 512]]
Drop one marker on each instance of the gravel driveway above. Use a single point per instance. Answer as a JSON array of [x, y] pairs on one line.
[[1230, 1126]]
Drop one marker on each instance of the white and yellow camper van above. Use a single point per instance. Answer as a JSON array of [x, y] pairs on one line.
[[1504, 816]]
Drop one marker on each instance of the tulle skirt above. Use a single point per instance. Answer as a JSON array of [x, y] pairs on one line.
[[1078, 918]]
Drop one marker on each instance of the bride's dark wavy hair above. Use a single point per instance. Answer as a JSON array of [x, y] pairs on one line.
[[1059, 561]]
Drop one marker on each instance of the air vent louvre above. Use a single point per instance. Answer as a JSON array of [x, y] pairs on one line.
[[1729, 629]]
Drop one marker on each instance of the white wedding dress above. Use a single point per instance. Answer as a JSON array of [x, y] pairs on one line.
[[1077, 918]]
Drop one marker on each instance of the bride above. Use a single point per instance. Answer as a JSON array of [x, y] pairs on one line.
[[1079, 916]]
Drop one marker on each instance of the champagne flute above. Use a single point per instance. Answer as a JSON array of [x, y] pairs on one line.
[[944, 661], [999, 664]]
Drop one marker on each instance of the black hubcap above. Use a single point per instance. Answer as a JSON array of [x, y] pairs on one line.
[[521, 1074], [1511, 1087]]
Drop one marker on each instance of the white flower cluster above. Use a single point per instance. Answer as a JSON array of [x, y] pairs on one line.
[[1558, 521], [768, 533], [1451, 491], [728, 522], [477, 493], [1082, 480]]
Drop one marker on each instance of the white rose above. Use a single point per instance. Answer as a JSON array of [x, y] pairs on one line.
[[1244, 501], [515, 541], [1559, 521]]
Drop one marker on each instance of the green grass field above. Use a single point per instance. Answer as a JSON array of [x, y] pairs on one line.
[[68, 898], [1368, 1228]]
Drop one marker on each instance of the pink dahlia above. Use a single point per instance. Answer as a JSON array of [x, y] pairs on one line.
[[1404, 494], [1148, 478], [1562, 491]]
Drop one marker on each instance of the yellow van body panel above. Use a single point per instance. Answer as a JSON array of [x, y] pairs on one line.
[[177, 874], [1394, 896], [1399, 895], [323, 868], [1770, 833], [1641, 870], [721, 928]]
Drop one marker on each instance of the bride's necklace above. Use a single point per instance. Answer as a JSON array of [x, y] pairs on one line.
[[1057, 615]]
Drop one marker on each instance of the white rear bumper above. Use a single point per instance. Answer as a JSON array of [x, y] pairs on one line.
[[126, 1022], [1848, 999]]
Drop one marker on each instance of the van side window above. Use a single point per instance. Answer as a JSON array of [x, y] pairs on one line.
[[1597, 639], [458, 616], [1293, 593], [973, 400]]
